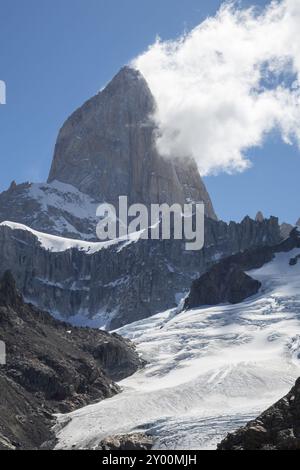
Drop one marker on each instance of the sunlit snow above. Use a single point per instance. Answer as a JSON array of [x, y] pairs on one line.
[[209, 370]]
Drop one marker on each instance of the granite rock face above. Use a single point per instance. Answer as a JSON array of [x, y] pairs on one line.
[[56, 208], [221, 284], [278, 428], [106, 149], [51, 367], [122, 282]]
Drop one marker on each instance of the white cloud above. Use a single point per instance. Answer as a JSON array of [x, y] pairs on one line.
[[224, 86]]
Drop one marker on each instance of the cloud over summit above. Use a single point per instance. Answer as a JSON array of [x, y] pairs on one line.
[[225, 85]]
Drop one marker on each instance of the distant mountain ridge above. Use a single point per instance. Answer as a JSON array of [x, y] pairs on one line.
[[106, 149]]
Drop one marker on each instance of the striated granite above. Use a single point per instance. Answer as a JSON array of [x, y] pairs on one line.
[[122, 282], [278, 428]]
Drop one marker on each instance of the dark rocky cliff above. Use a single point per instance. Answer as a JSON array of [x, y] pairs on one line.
[[278, 428], [51, 367], [106, 149]]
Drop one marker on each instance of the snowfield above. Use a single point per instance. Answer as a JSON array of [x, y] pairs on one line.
[[58, 244], [209, 371]]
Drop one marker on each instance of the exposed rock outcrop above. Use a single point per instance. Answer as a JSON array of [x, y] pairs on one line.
[[278, 428], [51, 367], [259, 217], [294, 261], [227, 281], [107, 149], [137, 441], [56, 208], [223, 283]]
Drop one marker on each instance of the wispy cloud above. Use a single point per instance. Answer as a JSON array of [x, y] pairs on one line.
[[221, 88]]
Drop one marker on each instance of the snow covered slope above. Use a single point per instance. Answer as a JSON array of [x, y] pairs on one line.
[[60, 244], [209, 370]]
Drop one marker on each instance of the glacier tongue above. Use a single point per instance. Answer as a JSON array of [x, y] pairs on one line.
[[209, 370]]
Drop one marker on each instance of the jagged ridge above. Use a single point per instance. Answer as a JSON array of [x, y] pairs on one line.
[[278, 428]]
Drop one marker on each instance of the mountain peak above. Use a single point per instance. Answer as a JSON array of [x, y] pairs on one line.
[[107, 149], [129, 73]]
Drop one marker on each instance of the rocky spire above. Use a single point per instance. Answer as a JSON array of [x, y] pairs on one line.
[[298, 223], [107, 149], [259, 217]]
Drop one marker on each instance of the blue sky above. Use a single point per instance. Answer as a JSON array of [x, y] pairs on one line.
[[55, 54]]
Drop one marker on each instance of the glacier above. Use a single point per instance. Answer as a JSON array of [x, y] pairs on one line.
[[209, 370], [57, 244]]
